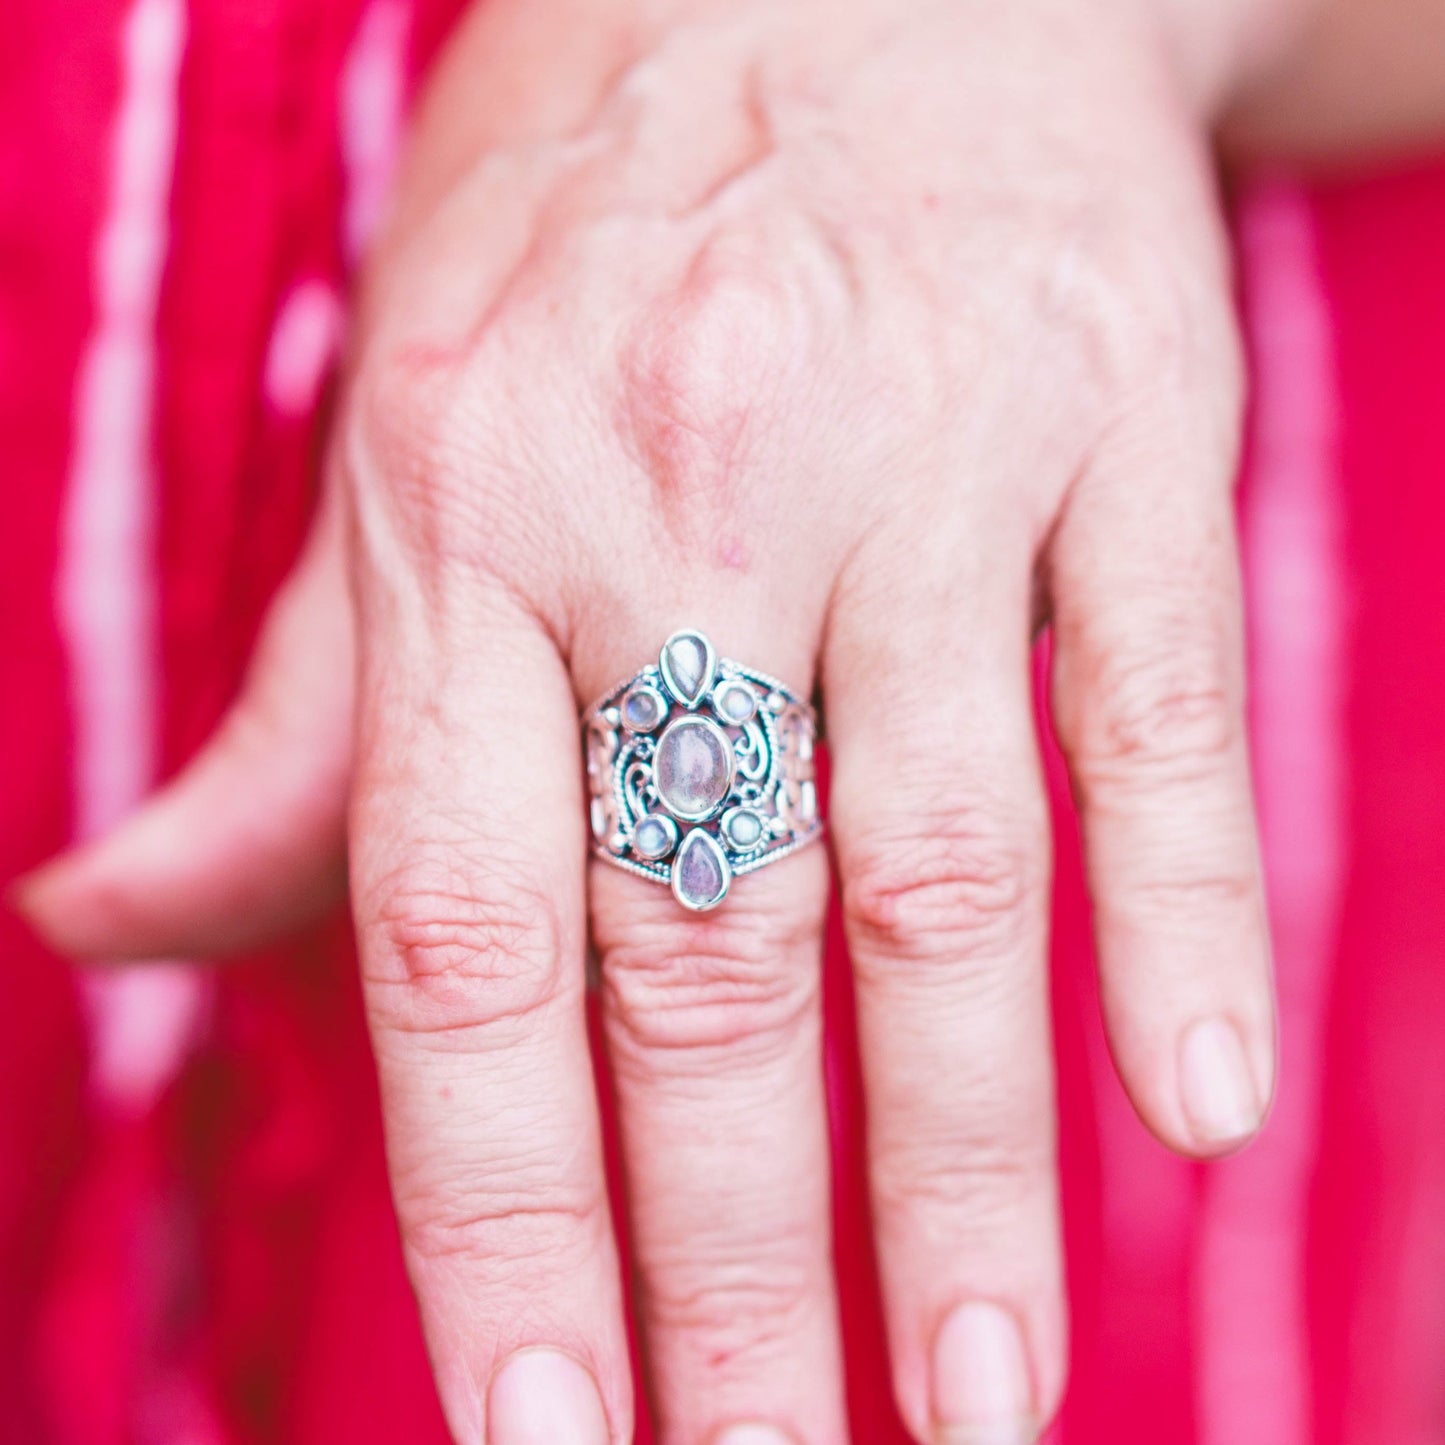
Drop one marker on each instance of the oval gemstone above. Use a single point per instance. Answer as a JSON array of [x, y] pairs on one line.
[[700, 872], [693, 769]]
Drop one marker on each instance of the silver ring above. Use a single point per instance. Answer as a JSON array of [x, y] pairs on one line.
[[700, 769]]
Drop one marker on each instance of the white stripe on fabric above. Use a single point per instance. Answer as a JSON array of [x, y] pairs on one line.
[[373, 100], [142, 1017]]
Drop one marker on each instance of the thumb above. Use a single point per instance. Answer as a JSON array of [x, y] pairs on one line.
[[248, 841]]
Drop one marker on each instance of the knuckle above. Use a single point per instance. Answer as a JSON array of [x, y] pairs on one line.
[[400, 416], [703, 372], [1166, 715], [1166, 339], [957, 883], [1146, 323], [464, 952], [983, 1174], [677, 992], [1187, 897], [749, 1305], [506, 1226], [432, 466]]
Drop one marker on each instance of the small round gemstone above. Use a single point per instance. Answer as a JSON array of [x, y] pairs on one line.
[[654, 836], [693, 769], [742, 828], [736, 703], [642, 709]]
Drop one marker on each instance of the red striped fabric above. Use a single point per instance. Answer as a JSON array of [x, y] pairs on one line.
[[195, 1235]]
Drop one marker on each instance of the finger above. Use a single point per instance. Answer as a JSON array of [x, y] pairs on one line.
[[467, 862], [248, 841], [941, 835], [1148, 697], [713, 1025]]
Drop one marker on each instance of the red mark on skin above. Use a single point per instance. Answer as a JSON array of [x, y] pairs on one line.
[[732, 554], [422, 358], [445, 1091], [930, 200]]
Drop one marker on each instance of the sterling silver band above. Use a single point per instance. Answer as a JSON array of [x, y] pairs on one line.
[[700, 769]]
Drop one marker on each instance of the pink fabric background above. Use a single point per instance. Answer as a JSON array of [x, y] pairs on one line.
[[196, 1243]]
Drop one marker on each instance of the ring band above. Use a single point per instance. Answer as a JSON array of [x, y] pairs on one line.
[[700, 769]]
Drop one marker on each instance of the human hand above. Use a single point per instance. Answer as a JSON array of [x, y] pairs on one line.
[[868, 344]]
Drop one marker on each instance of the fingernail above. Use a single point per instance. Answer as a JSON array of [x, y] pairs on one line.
[[543, 1397], [981, 1389], [753, 1435], [1215, 1084]]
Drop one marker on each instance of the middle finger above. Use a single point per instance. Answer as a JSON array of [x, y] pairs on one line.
[[942, 845]]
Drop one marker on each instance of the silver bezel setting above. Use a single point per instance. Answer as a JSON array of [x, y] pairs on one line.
[[655, 820], [653, 695], [728, 823], [688, 697]]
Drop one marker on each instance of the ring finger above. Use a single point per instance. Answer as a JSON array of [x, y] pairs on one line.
[[713, 1025]]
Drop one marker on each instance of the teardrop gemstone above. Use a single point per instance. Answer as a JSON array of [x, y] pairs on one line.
[[688, 663], [700, 872], [693, 768]]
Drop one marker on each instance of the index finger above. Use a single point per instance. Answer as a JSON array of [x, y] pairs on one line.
[[468, 884]]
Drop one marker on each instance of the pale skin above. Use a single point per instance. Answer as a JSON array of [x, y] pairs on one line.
[[868, 340]]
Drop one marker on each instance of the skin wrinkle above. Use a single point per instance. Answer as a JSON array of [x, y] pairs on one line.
[[468, 1233], [754, 1312], [701, 1027], [524, 1169], [697, 991], [758, 148], [940, 889]]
